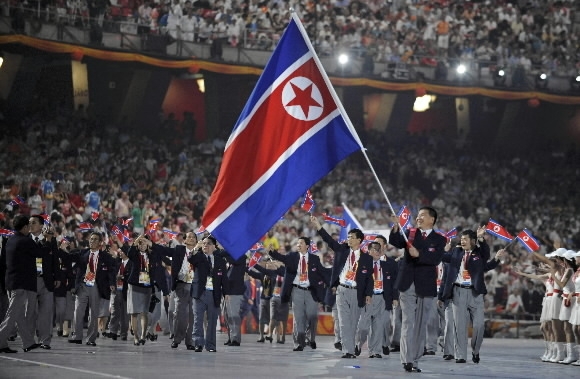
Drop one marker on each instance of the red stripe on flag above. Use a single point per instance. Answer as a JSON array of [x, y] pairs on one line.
[[270, 132]]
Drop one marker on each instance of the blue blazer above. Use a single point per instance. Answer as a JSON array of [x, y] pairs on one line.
[[202, 271], [477, 264], [364, 271], [421, 271], [105, 274], [390, 270], [317, 274]]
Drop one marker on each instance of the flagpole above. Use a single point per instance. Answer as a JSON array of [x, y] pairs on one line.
[[343, 111]]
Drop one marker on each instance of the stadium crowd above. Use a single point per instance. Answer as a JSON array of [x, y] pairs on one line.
[[531, 34]]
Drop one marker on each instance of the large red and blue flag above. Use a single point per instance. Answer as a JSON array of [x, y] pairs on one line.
[[494, 228], [291, 133], [526, 238]]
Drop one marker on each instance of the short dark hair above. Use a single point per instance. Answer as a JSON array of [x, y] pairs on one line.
[[39, 218], [97, 234], [380, 236], [212, 239], [305, 239], [375, 245], [470, 233], [358, 233], [20, 222], [432, 212]]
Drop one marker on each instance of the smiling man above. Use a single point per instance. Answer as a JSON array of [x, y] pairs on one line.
[[417, 281]]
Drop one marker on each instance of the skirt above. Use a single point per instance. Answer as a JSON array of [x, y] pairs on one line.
[[279, 310], [104, 307], [138, 299], [545, 304], [575, 313], [554, 309]]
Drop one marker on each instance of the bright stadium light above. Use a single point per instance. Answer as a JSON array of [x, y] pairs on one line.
[[343, 59], [461, 69], [422, 103], [542, 81]]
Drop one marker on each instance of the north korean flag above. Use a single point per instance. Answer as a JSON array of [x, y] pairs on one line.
[[526, 238], [291, 133], [494, 228]]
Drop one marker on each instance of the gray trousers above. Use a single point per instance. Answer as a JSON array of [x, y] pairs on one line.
[[371, 324], [3, 304], [337, 337], [119, 316], [86, 296], [348, 315], [16, 317], [153, 317], [41, 312], [183, 316], [201, 306], [64, 309], [233, 305], [397, 319], [467, 303], [171, 313], [432, 328], [305, 311], [416, 311], [449, 330]]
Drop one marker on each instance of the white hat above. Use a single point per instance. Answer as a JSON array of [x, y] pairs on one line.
[[569, 254], [576, 254], [557, 253]]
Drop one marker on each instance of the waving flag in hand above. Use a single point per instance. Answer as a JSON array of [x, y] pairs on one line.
[[351, 223], [291, 133], [152, 225], [170, 234], [95, 215], [494, 228], [85, 226], [46, 218], [256, 257], [17, 201], [334, 220], [404, 216], [451, 234], [125, 221], [308, 203], [257, 247], [6, 232], [528, 241]]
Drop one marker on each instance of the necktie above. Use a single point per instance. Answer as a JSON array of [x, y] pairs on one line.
[[424, 234], [465, 258], [37, 240], [303, 265], [92, 262], [122, 269], [376, 270], [352, 257], [143, 263], [209, 262]]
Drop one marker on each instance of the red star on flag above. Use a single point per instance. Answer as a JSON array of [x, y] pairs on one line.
[[303, 99]]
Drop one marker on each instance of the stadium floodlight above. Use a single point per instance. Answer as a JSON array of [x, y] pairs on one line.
[[499, 77], [542, 80], [343, 59], [575, 83], [461, 69]]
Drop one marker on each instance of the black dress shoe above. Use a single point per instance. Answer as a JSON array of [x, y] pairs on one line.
[[395, 349], [174, 345], [78, 342], [269, 339], [142, 342], [123, 338], [261, 340], [448, 357], [475, 357], [299, 348], [313, 345], [460, 360], [45, 347], [113, 336], [136, 343], [171, 336], [59, 333], [386, 350], [8, 350], [190, 347], [356, 351], [91, 343], [212, 350], [227, 343], [348, 356], [31, 347], [408, 367], [12, 338], [198, 349], [281, 342], [415, 369], [375, 356], [429, 353], [234, 343], [338, 346]]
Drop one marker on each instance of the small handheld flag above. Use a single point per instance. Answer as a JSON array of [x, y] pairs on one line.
[[334, 220], [6, 232], [95, 215], [256, 257], [85, 226], [17, 201], [308, 203], [451, 234], [494, 228], [404, 216], [526, 238]]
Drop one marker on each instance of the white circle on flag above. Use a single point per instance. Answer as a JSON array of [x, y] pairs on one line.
[[496, 228], [526, 238], [302, 99], [405, 216]]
